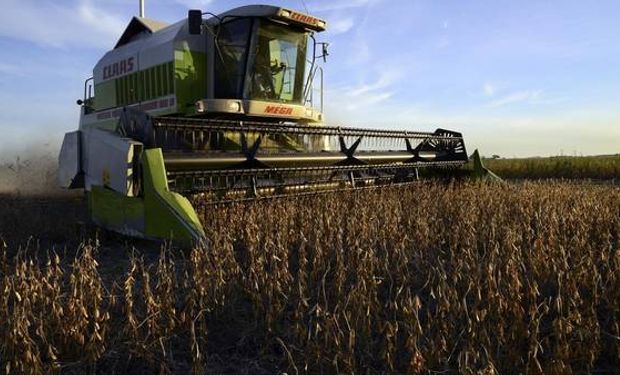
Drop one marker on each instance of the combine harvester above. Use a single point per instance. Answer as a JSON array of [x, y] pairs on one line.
[[228, 107]]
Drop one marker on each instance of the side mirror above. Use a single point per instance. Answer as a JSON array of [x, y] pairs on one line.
[[194, 21], [325, 51]]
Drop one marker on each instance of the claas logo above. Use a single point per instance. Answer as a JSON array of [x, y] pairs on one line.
[[304, 18], [118, 68]]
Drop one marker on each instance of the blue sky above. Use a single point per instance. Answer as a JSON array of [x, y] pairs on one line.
[[518, 78]]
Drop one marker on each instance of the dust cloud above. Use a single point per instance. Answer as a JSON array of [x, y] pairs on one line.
[[30, 173]]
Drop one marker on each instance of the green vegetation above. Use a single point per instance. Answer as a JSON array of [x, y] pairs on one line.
[[558, 167]]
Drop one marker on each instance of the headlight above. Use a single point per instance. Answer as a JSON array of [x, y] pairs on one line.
[[234, 107], [200, 106]]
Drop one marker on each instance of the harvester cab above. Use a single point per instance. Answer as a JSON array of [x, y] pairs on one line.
[[258, 58], [222, 108]]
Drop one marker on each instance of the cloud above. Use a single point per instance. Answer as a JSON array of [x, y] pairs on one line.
[[361, 98], [370, 99], [383, 82], [78, 24], [366, 101], [516, 97], [358, 55], [489, 89], [99, 21], [442, 43], [338, 5], [341, 25], [11, 69], [194, 4]]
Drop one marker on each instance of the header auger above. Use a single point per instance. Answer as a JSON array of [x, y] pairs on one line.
[[224, 107]]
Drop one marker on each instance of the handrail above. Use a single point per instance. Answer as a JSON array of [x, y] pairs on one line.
[[321, 69], [86, 86]]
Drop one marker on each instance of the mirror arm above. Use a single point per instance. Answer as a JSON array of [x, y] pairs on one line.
[[194, 21]]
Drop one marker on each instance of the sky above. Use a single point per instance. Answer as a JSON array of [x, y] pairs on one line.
[[517, 78]]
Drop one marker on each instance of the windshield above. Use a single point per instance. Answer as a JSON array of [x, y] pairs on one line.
[[279, 64], [232, 47]]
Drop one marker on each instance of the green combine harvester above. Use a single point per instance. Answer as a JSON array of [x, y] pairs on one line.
[[229, 107]]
